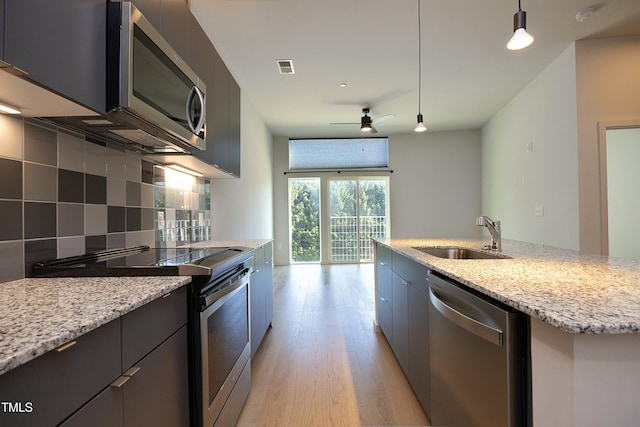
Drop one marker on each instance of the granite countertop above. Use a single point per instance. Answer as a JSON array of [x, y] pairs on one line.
[[38, 315], [580, 294]]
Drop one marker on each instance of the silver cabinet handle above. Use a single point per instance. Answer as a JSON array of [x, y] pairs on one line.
[[166, 295], [122, 379], [479, 329], [66, 346]]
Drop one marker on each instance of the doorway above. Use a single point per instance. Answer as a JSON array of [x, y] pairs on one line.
[[620, 189]]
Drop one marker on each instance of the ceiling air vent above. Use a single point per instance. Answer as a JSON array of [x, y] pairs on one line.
[[285, 66]]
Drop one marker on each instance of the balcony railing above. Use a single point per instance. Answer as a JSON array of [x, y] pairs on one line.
[[351, 239]]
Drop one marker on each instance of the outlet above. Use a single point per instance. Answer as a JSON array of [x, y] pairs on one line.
[[538, 211]]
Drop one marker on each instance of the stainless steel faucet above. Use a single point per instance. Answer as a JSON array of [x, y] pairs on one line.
[[494, 229]]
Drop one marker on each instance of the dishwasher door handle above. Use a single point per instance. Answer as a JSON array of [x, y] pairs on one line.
[[477, 328]]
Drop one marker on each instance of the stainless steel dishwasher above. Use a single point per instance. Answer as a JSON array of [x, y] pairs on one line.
[[480, 369]]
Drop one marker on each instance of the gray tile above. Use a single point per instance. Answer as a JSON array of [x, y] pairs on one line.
[[11, 261], [95, 189], [70, 186], [10, 220], [95, 159], [116, 240], [39, 220], [40, 145], [134, 193], [95, 219], [70, 219], [38, 250], [116, 191], [70, 151], [10, 179], [40, 182], [71, 246]]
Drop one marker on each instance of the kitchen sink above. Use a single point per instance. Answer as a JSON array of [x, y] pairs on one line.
[[456, 252]]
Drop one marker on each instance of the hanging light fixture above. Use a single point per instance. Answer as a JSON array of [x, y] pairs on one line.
[[365, 122], [420, 127], [520, 38]]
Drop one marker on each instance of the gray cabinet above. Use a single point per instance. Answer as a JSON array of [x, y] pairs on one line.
[[384, 288], [261, 295], [176, 23], [60, 381], [132, 371], [223, 109], [61, 45], [403, 317], [400, 342]]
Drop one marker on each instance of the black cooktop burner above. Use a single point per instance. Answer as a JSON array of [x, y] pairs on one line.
[[141, 261]]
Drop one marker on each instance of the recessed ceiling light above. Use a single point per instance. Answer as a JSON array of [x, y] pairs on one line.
[[343, 85]]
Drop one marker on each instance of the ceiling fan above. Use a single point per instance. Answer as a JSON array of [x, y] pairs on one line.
[[366, 122]]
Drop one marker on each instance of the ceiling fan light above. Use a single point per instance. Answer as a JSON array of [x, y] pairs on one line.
[[420, 127], [365, 127], [520, 38], [365, 122]]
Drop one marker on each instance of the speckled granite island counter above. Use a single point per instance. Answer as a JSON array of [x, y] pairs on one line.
[[585, 324], [39, 315]]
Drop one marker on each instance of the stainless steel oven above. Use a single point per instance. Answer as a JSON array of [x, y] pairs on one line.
[[218, 308], [225, 349]]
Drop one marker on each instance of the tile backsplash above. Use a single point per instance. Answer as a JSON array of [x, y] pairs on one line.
[[62, 194]]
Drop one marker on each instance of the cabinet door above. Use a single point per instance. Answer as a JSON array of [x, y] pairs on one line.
[[233, 136], [400, 342], [419, 374], [59, 382], [61, 44], [257, 308], [176, 24], [158, 393], [146, 327], [105, 410], [2, 30]]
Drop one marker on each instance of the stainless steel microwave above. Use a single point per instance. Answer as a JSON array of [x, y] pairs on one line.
[[155, 103], [155, 84]]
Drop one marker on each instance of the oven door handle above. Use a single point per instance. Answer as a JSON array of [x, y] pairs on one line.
[[237, 281]]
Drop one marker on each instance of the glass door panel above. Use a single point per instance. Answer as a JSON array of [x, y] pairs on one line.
[[304, 220]]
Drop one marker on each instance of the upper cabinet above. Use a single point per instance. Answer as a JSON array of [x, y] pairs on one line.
[[61, 45], [223, 105]]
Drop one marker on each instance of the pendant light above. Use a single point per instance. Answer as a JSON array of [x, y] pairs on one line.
[[420, 127], [520, 38]]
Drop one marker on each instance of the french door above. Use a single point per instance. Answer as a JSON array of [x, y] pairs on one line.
[[358, 211]]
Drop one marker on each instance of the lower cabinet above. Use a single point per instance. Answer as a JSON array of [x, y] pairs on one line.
[[261, 295], [403, 317], [87, 381]]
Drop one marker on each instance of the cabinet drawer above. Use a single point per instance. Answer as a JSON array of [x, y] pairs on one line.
[[148, 326], [104, 410], [411, 271], [385, 319], [59, 382], [383, 255]]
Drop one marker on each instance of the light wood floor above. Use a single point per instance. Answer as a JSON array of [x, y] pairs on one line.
[[322, 363]]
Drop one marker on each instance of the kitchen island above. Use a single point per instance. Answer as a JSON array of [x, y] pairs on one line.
[[585, 323]]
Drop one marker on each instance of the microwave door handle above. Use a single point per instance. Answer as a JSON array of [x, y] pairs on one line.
[[192, 94]]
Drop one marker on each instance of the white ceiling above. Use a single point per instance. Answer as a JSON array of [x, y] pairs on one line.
[[372, 46]]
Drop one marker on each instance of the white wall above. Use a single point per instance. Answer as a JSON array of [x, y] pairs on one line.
[[530, 160], [608, 89], [434, 187], [242, 208]]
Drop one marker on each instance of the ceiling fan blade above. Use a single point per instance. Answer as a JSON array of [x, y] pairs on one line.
[[373, 130], [383, 118], [353, 123]]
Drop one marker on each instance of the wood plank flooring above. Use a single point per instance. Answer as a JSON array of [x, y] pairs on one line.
[[322, 363]]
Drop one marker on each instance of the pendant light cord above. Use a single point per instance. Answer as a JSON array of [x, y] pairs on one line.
[[420, 60]]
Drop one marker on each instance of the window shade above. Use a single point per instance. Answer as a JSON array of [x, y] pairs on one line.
[[338, 153]]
